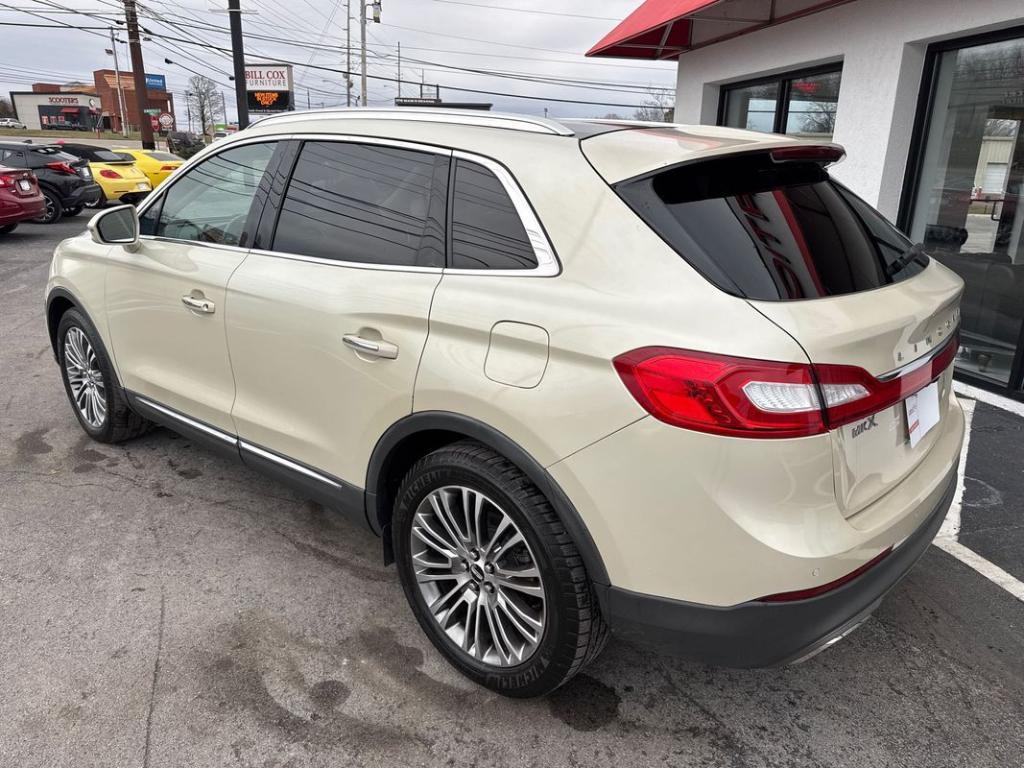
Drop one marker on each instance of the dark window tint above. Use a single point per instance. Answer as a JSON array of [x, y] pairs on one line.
[[487, 232], [210, 203], [93, 154], [164, 157], [772, 231], [365, 203]]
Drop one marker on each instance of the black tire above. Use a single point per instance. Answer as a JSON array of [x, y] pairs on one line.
[[98, 203], [54, 209], [73, 211], [574, 631], [120, 421], [6, 229]]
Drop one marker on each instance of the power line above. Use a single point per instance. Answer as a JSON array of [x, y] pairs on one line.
[[526, 10]]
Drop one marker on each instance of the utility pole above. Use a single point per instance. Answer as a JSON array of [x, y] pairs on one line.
[[188, 109], [362, 50], [138, 74], [238, 57], [308, 104], [399, 70], [117, 77], [348, 53]]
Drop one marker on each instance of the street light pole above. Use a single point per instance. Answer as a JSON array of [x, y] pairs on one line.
[[138, 74], [238, 57]]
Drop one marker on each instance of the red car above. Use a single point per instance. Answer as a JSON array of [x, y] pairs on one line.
[[20, 198]]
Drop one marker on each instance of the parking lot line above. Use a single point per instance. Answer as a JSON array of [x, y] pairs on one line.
[[947, 540]]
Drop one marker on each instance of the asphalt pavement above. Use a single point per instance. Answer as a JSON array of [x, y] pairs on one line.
[[162, 606]]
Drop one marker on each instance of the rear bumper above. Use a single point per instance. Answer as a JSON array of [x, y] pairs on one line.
[[757, 634], [17, 209]]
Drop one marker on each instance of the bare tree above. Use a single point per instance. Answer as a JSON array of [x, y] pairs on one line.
[[204, 102], [611, 116], [657, 107]]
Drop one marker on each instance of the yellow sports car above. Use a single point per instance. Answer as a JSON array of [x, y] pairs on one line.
[[155, 164], [117, 176]]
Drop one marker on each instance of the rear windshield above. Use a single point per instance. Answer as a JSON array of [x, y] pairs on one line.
[[772, 231], [95, 154], [54, 154]]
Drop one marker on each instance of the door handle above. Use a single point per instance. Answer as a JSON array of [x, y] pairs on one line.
[[198, 304], [382, 349]]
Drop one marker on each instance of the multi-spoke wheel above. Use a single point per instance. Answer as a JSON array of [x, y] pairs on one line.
[[88, 389], [478, 576], [89, 380], [491, 574]]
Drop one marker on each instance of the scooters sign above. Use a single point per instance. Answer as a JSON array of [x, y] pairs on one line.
[[269, 87]]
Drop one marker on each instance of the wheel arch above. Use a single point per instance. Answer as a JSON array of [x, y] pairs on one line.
[[59, 301], [420, 433]]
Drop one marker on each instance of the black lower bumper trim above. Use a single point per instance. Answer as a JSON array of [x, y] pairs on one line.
[[758, 634]]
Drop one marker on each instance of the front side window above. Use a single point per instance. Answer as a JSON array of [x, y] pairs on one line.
[[487, 232], [210, 203], [797, 105], [365, 203], [772, 231]]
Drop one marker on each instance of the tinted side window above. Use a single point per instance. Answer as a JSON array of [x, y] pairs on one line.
[[487, 232], [365, 203], [210, 203]]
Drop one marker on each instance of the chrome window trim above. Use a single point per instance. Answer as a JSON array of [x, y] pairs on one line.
[[499, 120], [289, 464], [198, 425], [547, 261]]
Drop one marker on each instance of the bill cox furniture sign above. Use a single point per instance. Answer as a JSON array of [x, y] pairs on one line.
[[269, 87]]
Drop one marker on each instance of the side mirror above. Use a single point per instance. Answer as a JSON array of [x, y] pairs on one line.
[[116, 226]]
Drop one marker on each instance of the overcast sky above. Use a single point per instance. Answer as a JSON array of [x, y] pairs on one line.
[[535, 41]]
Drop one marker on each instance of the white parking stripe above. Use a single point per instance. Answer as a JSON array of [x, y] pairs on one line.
[[947, 540], [984, 396]]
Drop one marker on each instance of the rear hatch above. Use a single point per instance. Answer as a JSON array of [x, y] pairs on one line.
[[876, 318]]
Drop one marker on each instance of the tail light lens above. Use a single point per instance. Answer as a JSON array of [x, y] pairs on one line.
[[743, 397], [169, 168], [62, 168], [106, 173], [6, 180], [814, 154]]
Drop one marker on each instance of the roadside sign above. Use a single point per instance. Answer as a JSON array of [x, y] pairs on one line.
[[166, 121], [269, 87], [156, 82]]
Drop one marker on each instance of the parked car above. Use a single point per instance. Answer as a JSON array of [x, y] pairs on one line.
[[155, 164], [672, 381], [119, 179], [10, 122], [65, 180], [20, 199]]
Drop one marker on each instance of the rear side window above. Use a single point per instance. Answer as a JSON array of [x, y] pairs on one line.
[[365, 203], [772, 231], [94, 154], [487, 232]]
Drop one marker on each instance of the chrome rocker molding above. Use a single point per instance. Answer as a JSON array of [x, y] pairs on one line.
[[329, 491]]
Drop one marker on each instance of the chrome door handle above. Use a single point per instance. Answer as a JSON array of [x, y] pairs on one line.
[[198, 304], [382, 349]]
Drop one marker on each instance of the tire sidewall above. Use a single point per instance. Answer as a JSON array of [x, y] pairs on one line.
[[52, 198], [76, 319], [542, 671]]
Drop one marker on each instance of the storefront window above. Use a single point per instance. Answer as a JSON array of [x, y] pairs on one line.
[[800, 105], [968, 207]]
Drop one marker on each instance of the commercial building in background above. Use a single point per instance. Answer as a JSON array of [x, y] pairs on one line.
[[269, 88], [927, 96], [81, 106]]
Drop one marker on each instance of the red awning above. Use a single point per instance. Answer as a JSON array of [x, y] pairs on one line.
[[664, 29], [70, 111]]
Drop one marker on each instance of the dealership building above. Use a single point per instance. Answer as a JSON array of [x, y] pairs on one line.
[[81, 106], [927, 97]]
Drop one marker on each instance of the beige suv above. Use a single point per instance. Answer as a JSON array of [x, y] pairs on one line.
[[668, 380]]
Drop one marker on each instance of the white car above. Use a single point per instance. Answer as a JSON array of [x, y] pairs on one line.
[[10, 122], [669, 380]]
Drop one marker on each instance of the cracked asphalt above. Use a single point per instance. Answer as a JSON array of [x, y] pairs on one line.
[[162, 606]]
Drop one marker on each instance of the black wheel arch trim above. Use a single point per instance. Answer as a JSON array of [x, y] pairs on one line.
[[51, 327], [445, 421]]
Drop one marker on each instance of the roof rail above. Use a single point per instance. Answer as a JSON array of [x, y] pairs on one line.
[[479, 118]]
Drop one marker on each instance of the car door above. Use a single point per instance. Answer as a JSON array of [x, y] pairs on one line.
[[327, 317], [166, 302]]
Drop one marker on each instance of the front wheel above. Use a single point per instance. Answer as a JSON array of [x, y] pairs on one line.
[[491, 574]]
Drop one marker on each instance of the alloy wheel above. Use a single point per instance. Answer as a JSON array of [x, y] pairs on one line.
[[88, 388], [478, 576]]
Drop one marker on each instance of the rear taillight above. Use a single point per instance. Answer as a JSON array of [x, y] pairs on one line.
[[743, 397], [825, 155], [62, 168], [7, 180], [169, 168], [106, 173]]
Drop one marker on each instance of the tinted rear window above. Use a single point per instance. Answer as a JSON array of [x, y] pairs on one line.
[[772, 231], [94, 154]]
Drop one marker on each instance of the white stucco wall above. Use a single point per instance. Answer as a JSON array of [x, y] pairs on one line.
[[882, 45]]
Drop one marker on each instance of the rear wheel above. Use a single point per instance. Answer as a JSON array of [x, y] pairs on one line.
[[54, 209], [92, 388], [491, 574], [97, 203]]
